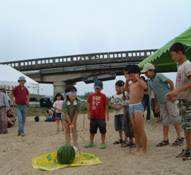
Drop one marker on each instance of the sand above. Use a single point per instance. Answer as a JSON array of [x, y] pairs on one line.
[[17, 152]]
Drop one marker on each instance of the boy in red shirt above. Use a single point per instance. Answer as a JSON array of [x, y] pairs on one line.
[[97, 114]]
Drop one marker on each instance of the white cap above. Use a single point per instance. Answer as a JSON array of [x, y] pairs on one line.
[[147, 67]]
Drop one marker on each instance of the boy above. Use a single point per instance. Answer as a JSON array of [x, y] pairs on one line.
[[118, 105], [97, 113], [161, 85], [183, 93], [136, 88]]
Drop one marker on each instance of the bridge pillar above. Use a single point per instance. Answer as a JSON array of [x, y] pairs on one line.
[[59, 87]]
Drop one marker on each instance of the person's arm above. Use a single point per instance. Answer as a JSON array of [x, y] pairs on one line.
[[176, 91], [126, 87], [107, 109], [171, 84], [142, 83]]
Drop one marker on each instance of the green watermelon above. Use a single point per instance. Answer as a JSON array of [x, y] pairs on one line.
[[66, 154]]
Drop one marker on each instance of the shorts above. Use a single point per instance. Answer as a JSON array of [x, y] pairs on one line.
[[97, 123], [59, 116], [119, 122], [133, 108], [185, 111], [169, 113]]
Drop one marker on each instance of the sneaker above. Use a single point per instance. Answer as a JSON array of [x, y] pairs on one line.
[[120, 141], [18, 134], [22, 134], [90, 145], [103, 146]]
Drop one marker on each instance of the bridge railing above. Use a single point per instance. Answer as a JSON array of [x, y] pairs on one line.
[[38, 63]]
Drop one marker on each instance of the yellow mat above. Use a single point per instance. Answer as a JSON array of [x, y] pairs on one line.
[[48, 161]]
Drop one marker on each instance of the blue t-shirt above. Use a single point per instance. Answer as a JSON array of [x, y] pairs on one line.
[[160, 87]]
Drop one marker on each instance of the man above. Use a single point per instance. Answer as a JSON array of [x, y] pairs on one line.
[[183, 93], [161, 85], [21, 98]]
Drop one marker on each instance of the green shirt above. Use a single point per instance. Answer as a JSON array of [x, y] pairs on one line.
[[160, 87], [71, 108]]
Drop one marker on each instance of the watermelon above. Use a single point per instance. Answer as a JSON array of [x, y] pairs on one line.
[[66, 154]]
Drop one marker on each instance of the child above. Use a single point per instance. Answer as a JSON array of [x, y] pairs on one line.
[[49, 115], [97, 113], [71, 110], [58, 105], [161, 85], [136, 88], [118, 105], [183, 93]]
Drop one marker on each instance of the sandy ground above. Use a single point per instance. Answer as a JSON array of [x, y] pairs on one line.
[[17, 152]]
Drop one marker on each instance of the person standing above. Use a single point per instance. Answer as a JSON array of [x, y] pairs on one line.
[[4, 105], [182, 92], [21, 99]]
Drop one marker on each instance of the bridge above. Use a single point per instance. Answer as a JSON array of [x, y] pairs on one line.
[[63, 70]]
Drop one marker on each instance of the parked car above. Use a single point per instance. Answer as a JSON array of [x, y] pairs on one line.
[[46, 102]]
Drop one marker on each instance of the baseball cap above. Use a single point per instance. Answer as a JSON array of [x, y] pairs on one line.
[[22, 78], [148, 67], [98, 84]]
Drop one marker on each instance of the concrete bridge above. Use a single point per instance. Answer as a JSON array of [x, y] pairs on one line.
[[65, 70]]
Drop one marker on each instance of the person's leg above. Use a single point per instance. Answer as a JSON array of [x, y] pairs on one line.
[[67, 133], [74, 135], [188, 140], [102, 129], [62, 123], [178, 130], [4, 121], [19, 116], [148, 108], [140, 131], [24, 109], [1, 120], [57, 125]]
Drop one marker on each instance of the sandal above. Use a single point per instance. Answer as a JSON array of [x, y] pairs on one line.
[[103, 146], [178, 142], [163, 143], [187, 155], [120, 141], [183, 152], [90, 145]]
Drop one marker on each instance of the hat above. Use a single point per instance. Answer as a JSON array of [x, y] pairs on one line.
[[22, 78], [98, 84], [148, 67], [133, 69]]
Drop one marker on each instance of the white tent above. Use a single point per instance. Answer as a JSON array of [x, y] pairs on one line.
[[9, 79]]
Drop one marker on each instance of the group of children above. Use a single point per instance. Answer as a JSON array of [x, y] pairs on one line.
[[128, 106]]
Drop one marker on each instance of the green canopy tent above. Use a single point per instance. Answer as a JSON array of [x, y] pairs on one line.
[[161, 58]]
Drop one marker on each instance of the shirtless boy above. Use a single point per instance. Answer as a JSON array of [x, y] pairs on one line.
[[136, 87]]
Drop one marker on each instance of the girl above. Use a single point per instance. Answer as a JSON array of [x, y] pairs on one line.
[[71, 110], [58, 105]]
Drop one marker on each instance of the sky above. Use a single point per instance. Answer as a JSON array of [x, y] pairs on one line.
[[44, 28]]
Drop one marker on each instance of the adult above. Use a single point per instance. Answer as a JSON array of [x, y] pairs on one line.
[[4, 105], [21, 99]]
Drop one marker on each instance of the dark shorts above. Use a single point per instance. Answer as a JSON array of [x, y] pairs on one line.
[[119, 122], [58, 116], [97, 123]]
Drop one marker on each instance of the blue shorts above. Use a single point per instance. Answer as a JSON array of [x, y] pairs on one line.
[[133, 108], [119, 122]]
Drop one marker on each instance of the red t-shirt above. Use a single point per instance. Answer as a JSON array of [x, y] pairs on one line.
[[97, 105], [21, 95]]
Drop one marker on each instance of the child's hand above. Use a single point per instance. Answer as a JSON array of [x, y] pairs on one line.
[[71, 126]]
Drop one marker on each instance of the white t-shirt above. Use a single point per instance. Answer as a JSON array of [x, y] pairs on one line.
[[58, 104], [118, 99], [184, 71]]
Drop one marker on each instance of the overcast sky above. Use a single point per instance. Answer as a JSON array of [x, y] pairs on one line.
[[44, 28]]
